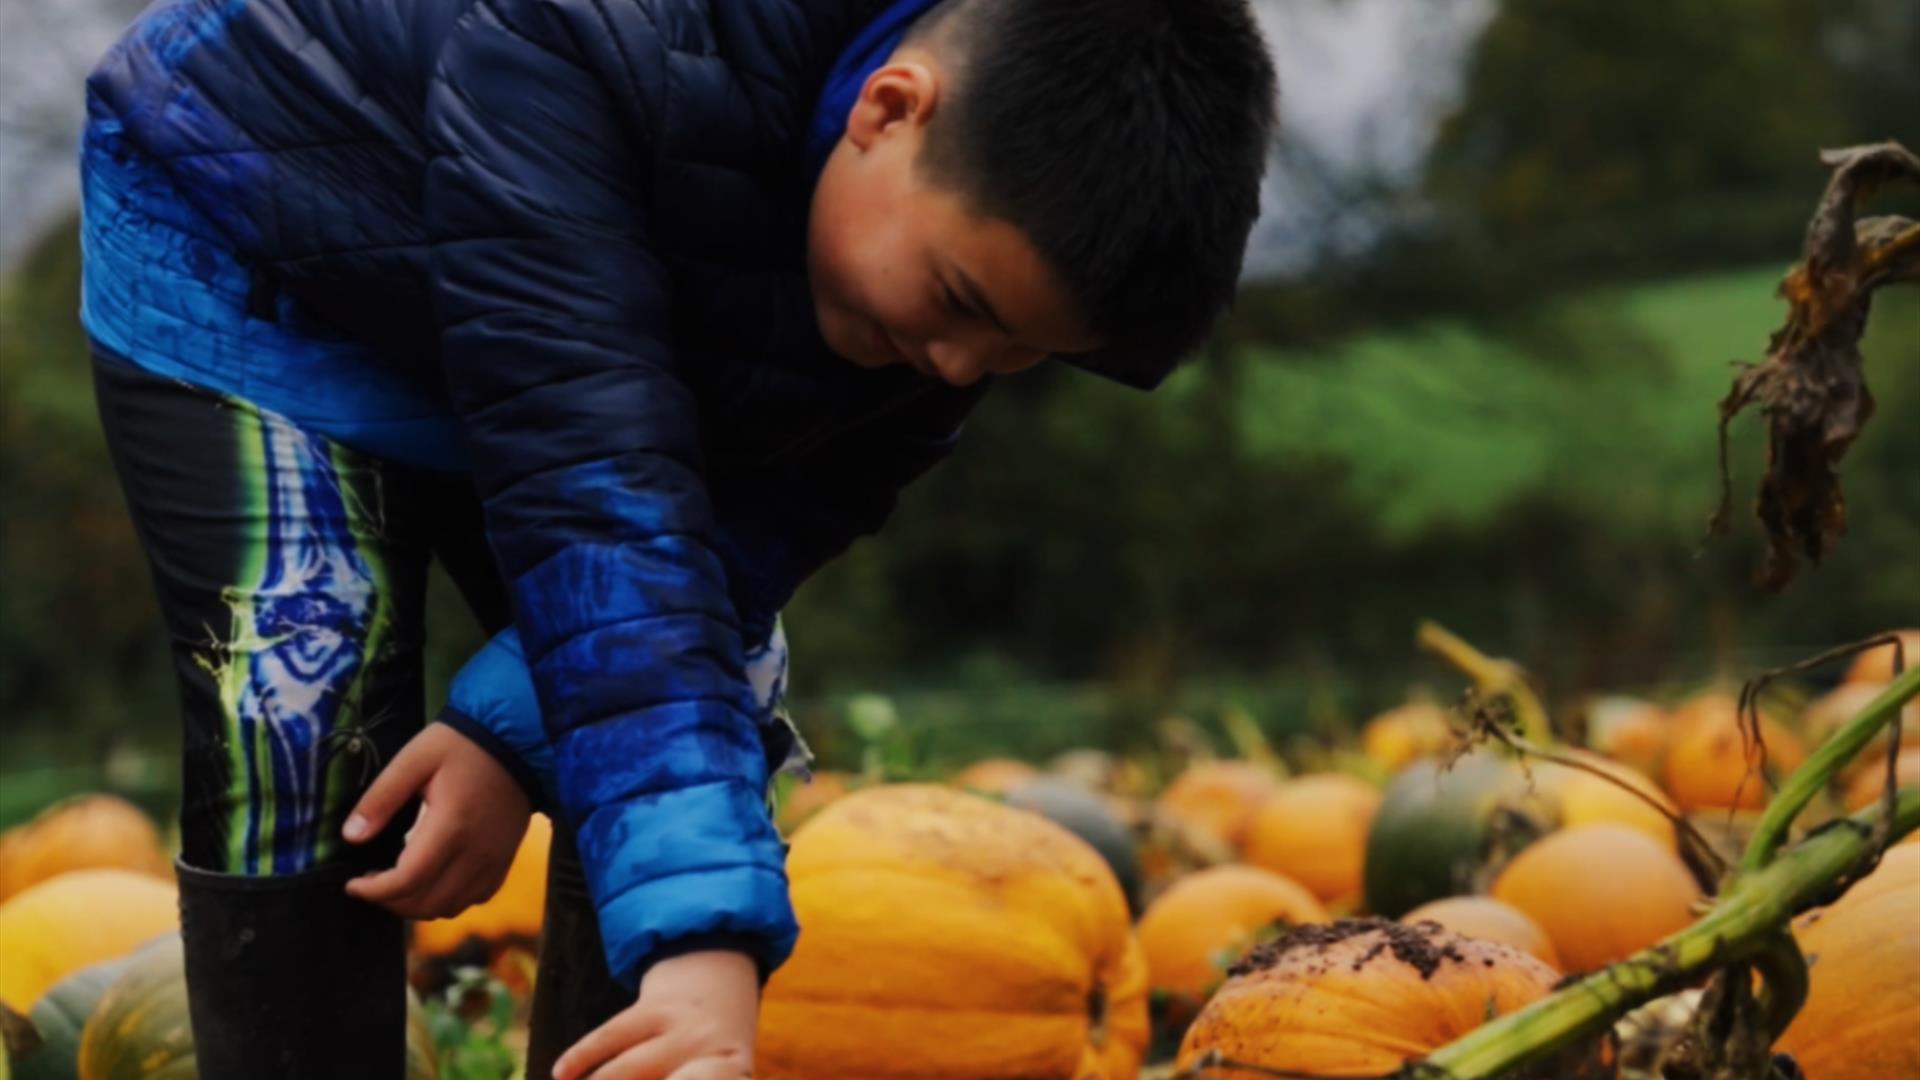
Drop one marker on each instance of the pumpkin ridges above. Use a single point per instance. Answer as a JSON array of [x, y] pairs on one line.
[[1216, 909], [81, 832], [983, 931]]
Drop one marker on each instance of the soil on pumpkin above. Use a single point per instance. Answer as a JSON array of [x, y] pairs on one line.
[[1420, 946]]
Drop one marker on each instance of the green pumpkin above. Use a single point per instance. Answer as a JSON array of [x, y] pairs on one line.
[[140, 1030], [1083, 814], [1441, 830], [59, 1016]]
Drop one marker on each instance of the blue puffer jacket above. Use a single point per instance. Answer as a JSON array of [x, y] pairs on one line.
[[580, 224]]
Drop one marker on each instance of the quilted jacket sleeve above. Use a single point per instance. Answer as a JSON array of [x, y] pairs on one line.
[[553, 313]]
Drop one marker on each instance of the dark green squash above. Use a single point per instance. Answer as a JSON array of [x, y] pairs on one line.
[[1441, 830], [1082, 813], [59, 1016]]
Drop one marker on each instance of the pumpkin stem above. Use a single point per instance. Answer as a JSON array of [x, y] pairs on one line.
[[1737, 929], [1784, 983], [1492, 678]]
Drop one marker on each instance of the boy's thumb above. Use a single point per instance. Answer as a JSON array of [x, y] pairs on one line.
[[407, 773]]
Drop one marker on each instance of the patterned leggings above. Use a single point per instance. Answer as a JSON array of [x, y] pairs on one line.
[[291, 573]]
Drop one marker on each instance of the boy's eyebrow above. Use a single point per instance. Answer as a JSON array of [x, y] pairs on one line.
[[971, 294]]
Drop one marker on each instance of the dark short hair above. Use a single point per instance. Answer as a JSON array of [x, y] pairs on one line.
[[1126, 139]]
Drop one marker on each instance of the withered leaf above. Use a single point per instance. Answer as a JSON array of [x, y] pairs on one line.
[[1812, 387]]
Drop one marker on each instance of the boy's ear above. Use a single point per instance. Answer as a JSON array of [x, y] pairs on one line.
[[901, 92]]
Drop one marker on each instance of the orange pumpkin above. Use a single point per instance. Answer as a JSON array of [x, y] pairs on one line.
[[1415, 730], [516, 909], [79, 919], [1862, 1016], [994, 776], [949, 937], [1868, 784], [1582, 797], [1206, 921], [1712, 764], [805, 799], [1876, 665], [83, 832], [1217, 799], [1487, 919], [1359, 998], [1601, 892], [1628, 730], [1314, 831]]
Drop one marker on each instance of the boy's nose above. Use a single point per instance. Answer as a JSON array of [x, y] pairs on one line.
[[958, 363]]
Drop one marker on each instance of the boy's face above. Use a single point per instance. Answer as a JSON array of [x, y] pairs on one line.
[[902, 272]]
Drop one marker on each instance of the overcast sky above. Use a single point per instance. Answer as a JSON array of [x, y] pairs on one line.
[[1363, 85]]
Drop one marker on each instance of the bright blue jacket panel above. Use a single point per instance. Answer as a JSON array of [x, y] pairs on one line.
[[582, 224]]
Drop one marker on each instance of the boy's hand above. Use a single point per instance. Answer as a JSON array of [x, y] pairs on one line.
[[694, 1021], [458, 852]]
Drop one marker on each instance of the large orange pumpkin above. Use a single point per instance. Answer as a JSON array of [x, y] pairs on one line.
[[1876, 665], [515, 910], [1217, 799], [1862, 1016], [1400, 735], [1488, 919], [1359, 998], [83, 832], [76, 920], [949, 937], [1314, 831], [1601, 892], [1712, 764], [1206, 921]]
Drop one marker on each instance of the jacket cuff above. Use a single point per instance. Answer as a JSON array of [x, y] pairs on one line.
[[718, 940], [483, 736]]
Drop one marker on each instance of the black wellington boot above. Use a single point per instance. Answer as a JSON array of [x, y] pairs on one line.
[[289, 978]]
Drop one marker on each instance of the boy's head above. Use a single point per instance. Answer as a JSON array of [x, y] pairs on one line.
[[1024, 178]]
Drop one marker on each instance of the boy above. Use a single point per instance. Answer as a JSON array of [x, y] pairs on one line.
[[633, 313]]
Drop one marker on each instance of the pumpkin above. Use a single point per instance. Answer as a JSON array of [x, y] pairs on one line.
[[1487, 919], [1581, 796], [1861, 1020], [1439, 827], [1216, 800], [1359, 998], [1084, 815], [950, 936], [1712, 764], [806, 798], [1876, 665], [83, 832], [1405, 734], [1314, 831], [1601, 892], [994, 776], [78, 919], [60, 1015], [1825, 715], [515, 910], [140, 1030], [1206, 921], [1628, 730], [1868, 784]]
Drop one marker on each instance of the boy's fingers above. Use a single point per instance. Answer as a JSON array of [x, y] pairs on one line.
[[407, 773], [713, 1069], [423, 861], [630, 1029]]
